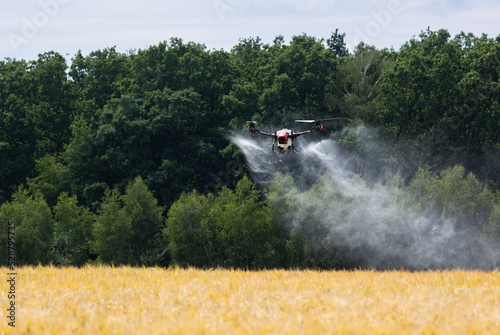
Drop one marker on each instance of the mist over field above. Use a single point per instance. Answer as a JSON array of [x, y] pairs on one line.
[[370, 218]]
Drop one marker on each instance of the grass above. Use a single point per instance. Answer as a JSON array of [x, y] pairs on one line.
[[125, 300]]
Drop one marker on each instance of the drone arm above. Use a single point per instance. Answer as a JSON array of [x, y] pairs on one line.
[[300, 133], [252, 129], [264, 133], [318, 127]]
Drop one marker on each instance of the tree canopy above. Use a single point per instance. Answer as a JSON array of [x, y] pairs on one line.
[[125, 158]]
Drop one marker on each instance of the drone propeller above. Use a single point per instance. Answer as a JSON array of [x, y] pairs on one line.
[[318, 120]]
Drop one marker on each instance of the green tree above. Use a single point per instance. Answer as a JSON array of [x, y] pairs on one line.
[[247, 233], [301, 71], [33, 220], [421, 88], [241, 103], [493, 229], [186, 244], [444, 92], [34, 105], [336, 43], [112, 232], [50, 110], [280, 97], [455, 194], [233, 229], [141, 208], [53, 178], [72, 232], [358, 81], [97, 78]]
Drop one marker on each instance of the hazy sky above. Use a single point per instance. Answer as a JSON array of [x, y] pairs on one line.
[[30, 27]]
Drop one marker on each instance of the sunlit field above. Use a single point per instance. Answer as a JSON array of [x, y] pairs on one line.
[[124, 300]]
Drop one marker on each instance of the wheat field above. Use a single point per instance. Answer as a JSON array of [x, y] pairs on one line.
[[126, 300]]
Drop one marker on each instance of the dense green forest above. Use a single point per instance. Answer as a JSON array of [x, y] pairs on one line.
[[125, 158]]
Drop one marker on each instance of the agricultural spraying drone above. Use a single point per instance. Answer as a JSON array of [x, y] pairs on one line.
[[283, 139]]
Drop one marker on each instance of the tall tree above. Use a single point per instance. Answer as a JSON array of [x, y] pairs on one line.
[[141, 207], [186, 245], [97, 78], [336, 43], [53, 177], [112, 232], [33, 226], [72, 232], [35, 115], [358, 81], [444, 92], [249, 235]]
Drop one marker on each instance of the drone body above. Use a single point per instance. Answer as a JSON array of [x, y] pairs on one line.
[[283, 139]]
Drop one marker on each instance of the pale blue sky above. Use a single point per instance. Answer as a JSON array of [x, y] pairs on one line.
[[30, 27]]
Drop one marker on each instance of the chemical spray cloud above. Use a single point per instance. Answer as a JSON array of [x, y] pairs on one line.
[[372, 225]]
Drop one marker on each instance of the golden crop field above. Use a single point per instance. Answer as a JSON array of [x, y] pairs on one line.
[[125, 300]]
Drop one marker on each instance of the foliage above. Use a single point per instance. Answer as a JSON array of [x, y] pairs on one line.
[[52, 179], [35, 115], [441, 92], [72, 232], [69, 134], [233, 229], [128, 228], [141, 207], [358, 82], [33, 229], [453, 194], [112, 231]]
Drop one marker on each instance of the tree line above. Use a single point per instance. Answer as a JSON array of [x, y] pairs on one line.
[[124, 157]]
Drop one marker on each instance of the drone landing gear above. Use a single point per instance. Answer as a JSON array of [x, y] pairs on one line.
[[283, 151], [284, 147]]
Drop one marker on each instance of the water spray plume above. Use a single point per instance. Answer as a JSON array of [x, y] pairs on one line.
[[371, 223]]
